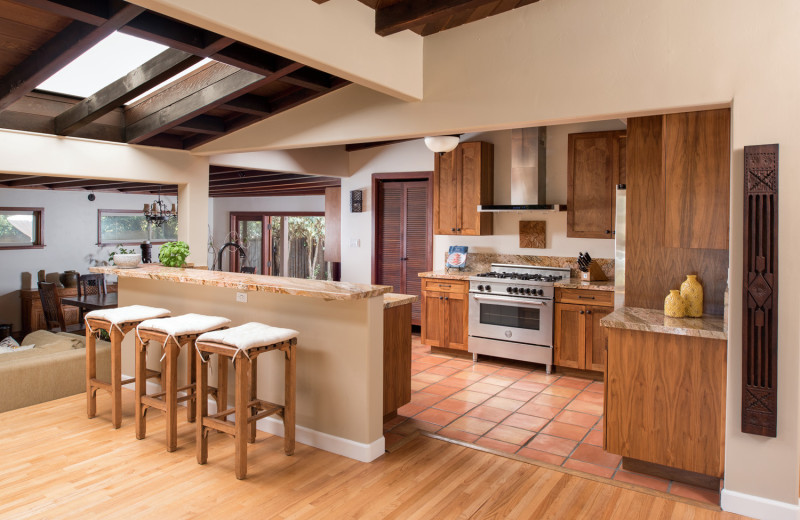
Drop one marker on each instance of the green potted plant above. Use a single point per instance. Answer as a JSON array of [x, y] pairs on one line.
[[125, 258], [173, 254]]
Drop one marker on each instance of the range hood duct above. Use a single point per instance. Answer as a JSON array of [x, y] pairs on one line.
[[528, 173]]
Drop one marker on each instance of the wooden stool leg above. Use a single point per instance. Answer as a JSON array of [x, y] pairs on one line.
[[242, 413], [201, 440], [91, 373], [191, 379], [116, 376], [141, 387], [251, 434], [289, 400], [171, 395], [222, 383]]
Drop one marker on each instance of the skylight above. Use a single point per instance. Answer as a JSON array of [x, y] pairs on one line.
[[106, 62], [173, 79]]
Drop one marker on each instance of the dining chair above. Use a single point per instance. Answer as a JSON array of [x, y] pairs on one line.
[[90, 284], [51, 306]]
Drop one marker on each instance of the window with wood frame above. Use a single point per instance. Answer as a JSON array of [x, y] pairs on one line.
[[130, 227], [21, 228]]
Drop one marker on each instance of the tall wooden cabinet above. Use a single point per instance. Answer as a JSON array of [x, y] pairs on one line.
[[445, 312], [595, 165], [463, 179], [579, 340]]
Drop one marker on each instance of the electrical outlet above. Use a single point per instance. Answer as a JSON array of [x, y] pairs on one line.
[[241, 297], [355, 242]]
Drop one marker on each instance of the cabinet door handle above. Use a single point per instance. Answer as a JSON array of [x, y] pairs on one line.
[[608, 231], [581, 312], [404, 259], [585, 297], [588, 312], [459, 229], [446, 298], [452, 229]]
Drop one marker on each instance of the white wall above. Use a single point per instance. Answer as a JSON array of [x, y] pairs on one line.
[[70, 237], [220, 209]]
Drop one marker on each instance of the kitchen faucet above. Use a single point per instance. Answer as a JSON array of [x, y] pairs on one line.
[[242, 253]]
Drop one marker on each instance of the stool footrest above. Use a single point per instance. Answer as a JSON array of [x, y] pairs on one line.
[[96, 383], [181, 389], [219, 425]]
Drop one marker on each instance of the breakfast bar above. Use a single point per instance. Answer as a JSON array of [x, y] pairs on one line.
[[339, 349]]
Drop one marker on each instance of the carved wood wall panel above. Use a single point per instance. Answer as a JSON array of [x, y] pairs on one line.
[[760, 291]]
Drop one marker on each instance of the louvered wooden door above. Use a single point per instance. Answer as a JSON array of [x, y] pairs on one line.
[[404, 238]]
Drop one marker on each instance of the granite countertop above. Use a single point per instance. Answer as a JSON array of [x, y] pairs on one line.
[[577, 283], [396, 300], [455, 275], [251, 282], [653, 320]]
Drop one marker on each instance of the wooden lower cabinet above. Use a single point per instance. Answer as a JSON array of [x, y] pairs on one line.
[[579, 340], [396, 358], [445, 311], [665, 400]]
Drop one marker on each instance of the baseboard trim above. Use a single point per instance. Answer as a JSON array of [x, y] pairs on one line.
[[758, 507], [339, 445]]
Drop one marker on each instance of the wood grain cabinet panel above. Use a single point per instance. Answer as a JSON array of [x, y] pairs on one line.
[[445, 313], [665, 400], [697, 179], [462, 180], [579, 340], [593, 171], [396, 358]]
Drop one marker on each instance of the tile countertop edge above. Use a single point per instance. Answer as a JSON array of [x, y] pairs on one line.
[[323, 289], [462, 275], [653, 320], [577, 283]]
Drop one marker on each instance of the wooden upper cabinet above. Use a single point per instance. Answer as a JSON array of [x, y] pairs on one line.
[[594, 167], [463, 179], [697, 179]]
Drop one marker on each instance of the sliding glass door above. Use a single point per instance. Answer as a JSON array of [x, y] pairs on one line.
[[289, 244]]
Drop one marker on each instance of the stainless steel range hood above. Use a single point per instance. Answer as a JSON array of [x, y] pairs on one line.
[[528, 173]]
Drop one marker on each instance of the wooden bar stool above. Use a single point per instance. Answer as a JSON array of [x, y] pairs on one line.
[[242, 345], [117, 322], [171, 333]]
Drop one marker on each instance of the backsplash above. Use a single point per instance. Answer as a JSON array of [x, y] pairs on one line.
[[481, 262]]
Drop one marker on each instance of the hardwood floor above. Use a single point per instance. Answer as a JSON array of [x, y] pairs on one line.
[[58, 464]]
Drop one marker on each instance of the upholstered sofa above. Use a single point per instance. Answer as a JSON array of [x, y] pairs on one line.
[[54, 368]]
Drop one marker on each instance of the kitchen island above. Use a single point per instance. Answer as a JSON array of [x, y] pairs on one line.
[[339, 350]]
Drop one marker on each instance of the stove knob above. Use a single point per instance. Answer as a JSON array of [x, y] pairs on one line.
[[528, 290], [488, 288], [509, 290], [480, 288], [516, 290], [541, 292]]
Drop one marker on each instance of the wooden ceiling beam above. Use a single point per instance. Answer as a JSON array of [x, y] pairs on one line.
[[173, 33], [93, 12], [316, 191], [203, 124], [282, 187], [256, 60], [87, 184], [199, 100], [57, 52], [6, 177], [133, 84], [37, 181], [413, 13], [246, 174], [248, 104], [272, 182]]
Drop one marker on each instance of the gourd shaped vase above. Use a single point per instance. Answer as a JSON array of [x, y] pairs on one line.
[[692, 293], [674, 306]]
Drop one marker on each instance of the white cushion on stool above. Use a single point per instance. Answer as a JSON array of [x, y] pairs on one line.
[[184, 324], [128, 314], [250, 335]]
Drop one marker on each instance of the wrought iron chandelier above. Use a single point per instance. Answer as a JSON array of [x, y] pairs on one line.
[[157, 212]]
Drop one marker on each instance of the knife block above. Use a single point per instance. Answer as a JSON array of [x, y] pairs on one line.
[[594, 274]]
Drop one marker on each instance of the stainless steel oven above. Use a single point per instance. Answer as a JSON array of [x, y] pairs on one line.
[[511, 313]]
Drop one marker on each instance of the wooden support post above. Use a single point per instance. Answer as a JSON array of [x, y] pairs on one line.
[[289, 399], [141, 387], [171, 396], [241, 414], [91, 373], [253, 379], [116, 375], [201, 440]]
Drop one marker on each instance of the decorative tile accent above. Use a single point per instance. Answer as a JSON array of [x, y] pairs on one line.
[[533, 233]]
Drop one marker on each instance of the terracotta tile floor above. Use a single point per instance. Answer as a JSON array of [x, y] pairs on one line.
[[551, 418]]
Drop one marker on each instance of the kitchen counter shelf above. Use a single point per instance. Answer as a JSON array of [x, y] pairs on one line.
[[251, 282], [653, 320]]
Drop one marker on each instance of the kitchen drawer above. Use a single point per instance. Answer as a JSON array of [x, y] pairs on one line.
[[585, 296], [444, 285]]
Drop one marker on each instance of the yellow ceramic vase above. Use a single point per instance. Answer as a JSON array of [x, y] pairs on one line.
[[692, 294], [674, 306]]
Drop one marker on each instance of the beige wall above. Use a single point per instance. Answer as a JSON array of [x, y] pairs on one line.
[[572, 60], [326, 160], [339, 350], [37, 154], [303, 31]]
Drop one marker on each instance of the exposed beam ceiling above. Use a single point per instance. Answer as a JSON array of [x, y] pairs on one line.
[[64, 47]]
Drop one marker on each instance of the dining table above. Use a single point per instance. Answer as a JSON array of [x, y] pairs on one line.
[[92, 302]]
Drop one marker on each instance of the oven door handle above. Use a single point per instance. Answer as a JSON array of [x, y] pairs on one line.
[[515, 301]]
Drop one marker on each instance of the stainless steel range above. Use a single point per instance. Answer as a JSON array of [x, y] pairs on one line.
[[511, 312]]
